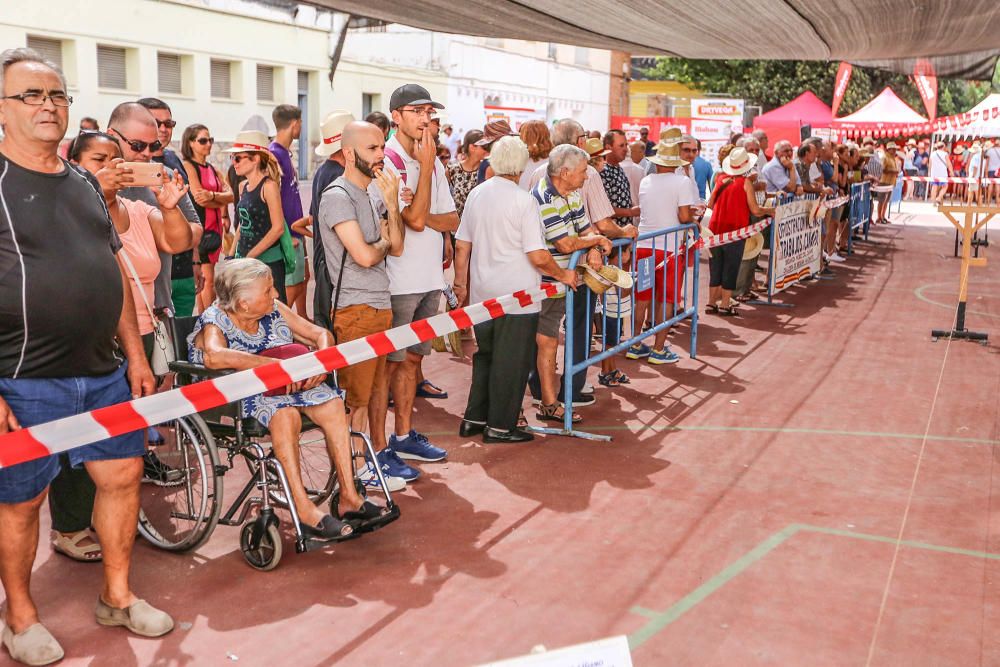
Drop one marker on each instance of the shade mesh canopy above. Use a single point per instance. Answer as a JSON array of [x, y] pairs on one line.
[[961, 38]]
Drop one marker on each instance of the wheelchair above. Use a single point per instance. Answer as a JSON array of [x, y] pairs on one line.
[[181, 513]]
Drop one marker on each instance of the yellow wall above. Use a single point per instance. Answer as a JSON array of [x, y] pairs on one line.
[[641, 91]]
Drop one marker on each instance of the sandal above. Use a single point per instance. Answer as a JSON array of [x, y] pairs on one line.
[[368, 517], [712, 308], [621, 377], [608, 379], [522, 421], [427, 389], [555, 413], [69, 546], [330, 529], [729, 311]]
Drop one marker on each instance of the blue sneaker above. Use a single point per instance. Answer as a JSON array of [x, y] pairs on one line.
[[639, 351], [664, 356], [416, 447], [393, 466]]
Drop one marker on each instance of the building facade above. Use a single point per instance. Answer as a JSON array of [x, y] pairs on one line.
[[221, 62]]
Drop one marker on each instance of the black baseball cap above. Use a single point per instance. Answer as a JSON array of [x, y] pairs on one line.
[[411, 93]]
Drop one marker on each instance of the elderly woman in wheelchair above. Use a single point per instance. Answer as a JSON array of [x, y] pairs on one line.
[[247, 328]]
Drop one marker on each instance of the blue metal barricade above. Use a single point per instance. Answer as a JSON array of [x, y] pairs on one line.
[[675, 248], [861, 212]]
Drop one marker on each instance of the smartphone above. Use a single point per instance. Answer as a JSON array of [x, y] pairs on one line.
[[145, 173]]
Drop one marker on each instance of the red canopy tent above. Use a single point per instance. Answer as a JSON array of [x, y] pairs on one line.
[[884, 116], [785, 122]]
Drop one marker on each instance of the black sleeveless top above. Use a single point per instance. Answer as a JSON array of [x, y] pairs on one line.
[[254, 220]]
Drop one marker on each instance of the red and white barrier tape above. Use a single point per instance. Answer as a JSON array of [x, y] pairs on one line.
[[953, 179], [63, 434], [732, 237]]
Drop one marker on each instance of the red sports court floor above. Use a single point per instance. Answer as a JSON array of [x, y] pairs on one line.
[[750, 510]]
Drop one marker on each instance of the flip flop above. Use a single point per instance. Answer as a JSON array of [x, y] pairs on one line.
[[432, 391], [69, 546]]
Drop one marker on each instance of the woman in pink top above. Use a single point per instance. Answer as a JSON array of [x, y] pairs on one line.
[[143, 229], [212, 197]]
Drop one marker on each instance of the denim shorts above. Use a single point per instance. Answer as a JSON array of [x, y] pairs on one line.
[[38, 400], [407, 308]]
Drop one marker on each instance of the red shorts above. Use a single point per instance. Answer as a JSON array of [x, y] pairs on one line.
[[663, 272]]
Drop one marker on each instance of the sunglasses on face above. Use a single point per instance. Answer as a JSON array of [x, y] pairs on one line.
[[166, 123], [205, 140], [140, 146], [239, 158]]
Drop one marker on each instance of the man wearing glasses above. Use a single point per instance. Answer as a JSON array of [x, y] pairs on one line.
[[416, 278], [138, 135], [63, 304]]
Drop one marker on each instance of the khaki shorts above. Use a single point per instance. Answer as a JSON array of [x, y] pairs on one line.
[[351, 323]]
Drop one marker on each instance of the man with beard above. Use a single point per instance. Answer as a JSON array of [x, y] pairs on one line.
[[358, 231]]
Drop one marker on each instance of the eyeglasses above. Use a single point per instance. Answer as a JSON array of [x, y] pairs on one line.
[[205, 140], [166, 123], [420, 112], [139, 146], [37, 99]]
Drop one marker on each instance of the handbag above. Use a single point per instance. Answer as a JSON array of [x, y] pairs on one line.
[[287, 250], [163, 349], [210, 242]]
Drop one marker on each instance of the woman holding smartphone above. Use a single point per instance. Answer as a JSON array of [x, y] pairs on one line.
[[259, 217], [211, 195]]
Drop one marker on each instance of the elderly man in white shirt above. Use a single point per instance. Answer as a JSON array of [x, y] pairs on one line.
[[500, 249]]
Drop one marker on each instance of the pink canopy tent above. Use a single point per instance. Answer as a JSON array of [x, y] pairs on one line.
[[785, 121], [884, 116]]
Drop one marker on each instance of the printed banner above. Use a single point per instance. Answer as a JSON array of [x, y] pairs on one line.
[[927, 85], [796, 243], [631, 125], [840, 85]]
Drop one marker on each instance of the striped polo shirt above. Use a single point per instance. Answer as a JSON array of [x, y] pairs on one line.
[[561, 217]]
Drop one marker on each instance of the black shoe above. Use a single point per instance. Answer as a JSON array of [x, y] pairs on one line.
[[469, 429], [583, 400], [492, 435]]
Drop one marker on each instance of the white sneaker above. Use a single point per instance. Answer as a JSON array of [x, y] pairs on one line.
[[588, 389], [368, 477], [835, 257]]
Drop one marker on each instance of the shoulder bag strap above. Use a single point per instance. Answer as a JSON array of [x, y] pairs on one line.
[[340, 276], [397, 162]]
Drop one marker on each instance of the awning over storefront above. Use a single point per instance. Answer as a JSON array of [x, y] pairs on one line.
[[960, 38]]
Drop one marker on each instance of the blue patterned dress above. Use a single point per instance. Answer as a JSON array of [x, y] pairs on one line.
[[273, 332]]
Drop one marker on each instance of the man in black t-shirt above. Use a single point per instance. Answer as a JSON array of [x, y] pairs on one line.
[[64, 301]]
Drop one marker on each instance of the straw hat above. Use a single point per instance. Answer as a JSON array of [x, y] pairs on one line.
[[595, 148], [753, 246], [958, 149], [671, 135], [975, 148], [331, 131], [738, 162], [668, 154], [891, 146], [249, 141], [605, 278]]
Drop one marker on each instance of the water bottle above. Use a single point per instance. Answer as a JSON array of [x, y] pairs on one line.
[[449, 294]]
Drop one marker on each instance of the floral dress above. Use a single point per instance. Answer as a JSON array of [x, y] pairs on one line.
[[273, 332]]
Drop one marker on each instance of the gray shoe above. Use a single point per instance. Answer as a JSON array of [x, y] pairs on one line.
[[34, 646], [140, 617]]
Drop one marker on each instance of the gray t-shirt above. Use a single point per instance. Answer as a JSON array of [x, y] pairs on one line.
[[340, 202], [161, 286]]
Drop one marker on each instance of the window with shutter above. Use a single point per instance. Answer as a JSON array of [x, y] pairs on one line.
[[222, 84], [168, 68], [265, 83], [111, 67], [51, 49]]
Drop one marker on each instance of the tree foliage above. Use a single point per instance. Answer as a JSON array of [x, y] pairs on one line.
[[772, 83]]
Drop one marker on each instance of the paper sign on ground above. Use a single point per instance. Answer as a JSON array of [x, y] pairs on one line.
[[611, 652]]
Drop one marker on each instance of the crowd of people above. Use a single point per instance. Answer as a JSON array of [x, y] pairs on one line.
[[403, 216]]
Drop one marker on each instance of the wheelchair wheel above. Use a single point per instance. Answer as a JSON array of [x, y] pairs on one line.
[[318, 475], [268, 553], [179, 515]]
